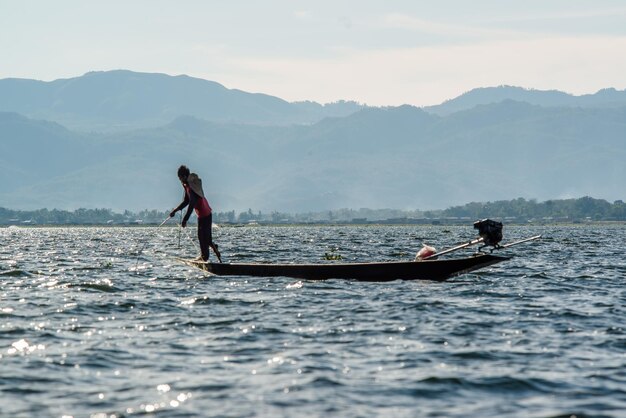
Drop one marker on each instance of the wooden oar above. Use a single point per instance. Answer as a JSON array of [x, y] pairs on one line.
[[479, 240], [458, 247], [216, 251], [520, 241]]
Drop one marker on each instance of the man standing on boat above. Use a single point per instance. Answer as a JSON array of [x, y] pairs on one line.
[[195, 200]]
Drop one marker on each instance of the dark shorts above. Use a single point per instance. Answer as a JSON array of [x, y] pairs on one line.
[[205, 235]]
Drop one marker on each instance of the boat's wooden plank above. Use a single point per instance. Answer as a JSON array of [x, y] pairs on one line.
[[437, 270]]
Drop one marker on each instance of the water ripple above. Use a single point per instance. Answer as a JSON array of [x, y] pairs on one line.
[[105, 321]]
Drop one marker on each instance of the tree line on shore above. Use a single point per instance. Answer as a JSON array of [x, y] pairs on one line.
[[517, 210]]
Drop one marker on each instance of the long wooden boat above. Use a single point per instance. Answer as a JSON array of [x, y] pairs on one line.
[[437, 270]]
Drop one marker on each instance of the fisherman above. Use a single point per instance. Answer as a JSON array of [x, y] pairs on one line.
[[195, 200]]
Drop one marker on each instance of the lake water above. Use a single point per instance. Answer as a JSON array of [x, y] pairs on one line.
[[103, 322]]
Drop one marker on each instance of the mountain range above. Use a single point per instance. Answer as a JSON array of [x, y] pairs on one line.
[[122, 100], [115, 139], [608, 97]]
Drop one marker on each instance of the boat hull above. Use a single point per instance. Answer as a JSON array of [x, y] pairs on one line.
[[437, 270]]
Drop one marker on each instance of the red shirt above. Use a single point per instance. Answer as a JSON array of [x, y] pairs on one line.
[[201, 207]]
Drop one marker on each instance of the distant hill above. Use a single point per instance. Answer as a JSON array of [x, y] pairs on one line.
[[114, 139], [123, 100], [397, 157], [32, 149], [547, 98]]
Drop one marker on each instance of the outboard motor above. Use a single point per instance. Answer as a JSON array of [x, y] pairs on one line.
[[490, 231]]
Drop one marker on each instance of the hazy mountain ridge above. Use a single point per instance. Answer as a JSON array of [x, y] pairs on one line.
[[401, 158], [391, 157], [123, 100], [609, 97], [30, 149]]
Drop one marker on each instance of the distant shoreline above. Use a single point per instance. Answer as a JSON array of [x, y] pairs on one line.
[[314, 224], [516, 211]]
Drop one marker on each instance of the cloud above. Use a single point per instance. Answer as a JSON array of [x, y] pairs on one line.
[[592, 13], [430, 75], [448, 30], [302, 14]]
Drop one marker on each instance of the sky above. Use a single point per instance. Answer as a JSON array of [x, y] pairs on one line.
[[379, 53]]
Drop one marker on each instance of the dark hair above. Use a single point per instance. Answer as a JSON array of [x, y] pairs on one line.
[[183, 171]]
